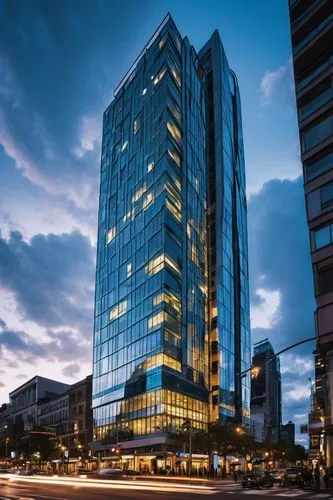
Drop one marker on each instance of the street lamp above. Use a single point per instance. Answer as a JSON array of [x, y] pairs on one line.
[[187, 426], [6, 443]]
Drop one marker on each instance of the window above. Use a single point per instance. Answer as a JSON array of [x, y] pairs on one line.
[[150, 166], [129, 270], [326, 195], [118, 310], [323, 236], [148, 200], [111, 234], [174, 131], [156, 320], [144, 91], [159, 77], [319, 167], [124, 146], [324, 276], [169, 298], [316, 134]]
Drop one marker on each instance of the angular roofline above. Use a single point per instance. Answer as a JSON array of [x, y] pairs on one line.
[[131, 72]]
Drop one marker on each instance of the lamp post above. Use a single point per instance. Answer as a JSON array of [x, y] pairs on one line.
[[6, 443], [187, 426]]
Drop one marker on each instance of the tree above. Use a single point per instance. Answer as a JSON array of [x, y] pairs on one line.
[[221, 436], [246, 447]]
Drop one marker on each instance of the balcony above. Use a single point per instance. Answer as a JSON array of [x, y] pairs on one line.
[[309, 79], [302, 19], [312, 37]]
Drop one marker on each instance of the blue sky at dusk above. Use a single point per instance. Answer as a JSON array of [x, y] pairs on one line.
[[59, 64]]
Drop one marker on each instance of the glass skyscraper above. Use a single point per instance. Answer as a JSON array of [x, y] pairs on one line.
[[171, 329]]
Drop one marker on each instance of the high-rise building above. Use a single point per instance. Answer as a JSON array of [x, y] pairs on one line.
[[288, 433], [172, 302], [266, 403], [312, 43]]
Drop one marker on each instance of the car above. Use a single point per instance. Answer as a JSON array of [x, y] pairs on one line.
[[258, 479], [25, 472], [295, 476], [109, 473], [131, 472], [82, 473], [277, 475]]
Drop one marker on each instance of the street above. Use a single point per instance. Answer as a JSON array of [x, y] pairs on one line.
[[59, 489]]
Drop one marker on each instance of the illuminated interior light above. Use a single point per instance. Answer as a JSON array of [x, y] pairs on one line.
[[111, 234], [150, 166], [118, 310]]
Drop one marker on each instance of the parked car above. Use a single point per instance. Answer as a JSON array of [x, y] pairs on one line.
[[83, 474], [25, 472], [295, 476], [109, 473], [258, 479], [277, 475]]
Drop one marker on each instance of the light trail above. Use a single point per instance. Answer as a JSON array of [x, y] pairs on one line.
[[116, 484]]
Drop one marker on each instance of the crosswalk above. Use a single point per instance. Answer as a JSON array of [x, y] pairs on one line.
[[232, 489]]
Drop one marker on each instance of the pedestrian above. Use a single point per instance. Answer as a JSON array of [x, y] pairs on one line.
[[235, 476], [326, 477], [317, 477]]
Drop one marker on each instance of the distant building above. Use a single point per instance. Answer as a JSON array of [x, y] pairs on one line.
[[80, 420], [311, 24], [288, 433], [266, 405], [24, 401]]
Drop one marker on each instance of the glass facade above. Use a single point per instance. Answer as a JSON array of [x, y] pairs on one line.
[[312, 43], [227, 222], [152, 333]]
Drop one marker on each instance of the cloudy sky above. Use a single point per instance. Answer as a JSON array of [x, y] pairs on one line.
[[59, 64]]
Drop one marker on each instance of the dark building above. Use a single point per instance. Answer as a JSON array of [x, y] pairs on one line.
[[172, 301], [266, 405], [80, 421], [288, 433], [312, 43]]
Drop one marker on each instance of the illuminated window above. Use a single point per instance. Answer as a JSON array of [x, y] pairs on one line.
[[129, 270], [174, 131], [111, 234], [155, 265], [176, 76], [118, 310], [139, 193], [150, 166], [188, 230], [173, 210], [169, 298], [159, 77], [162, 41], [156, 320], [136, 125], [148, 200], [171, 263], [124, 146], [175, 156]]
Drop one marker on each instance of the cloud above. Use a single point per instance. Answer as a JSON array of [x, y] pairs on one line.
[[2, 384], [277, 85], [52, 279], [71, 370], [21, 376], [264, 311], [298, 392], [291, 363]]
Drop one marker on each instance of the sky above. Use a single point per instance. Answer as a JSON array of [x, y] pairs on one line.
[[59, 64]]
